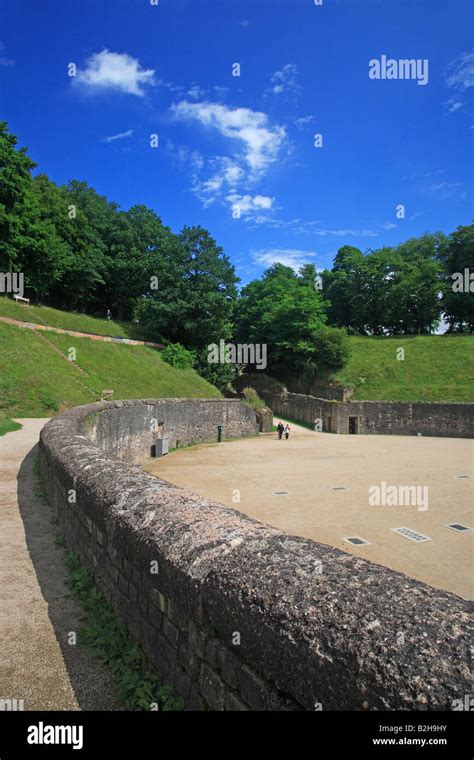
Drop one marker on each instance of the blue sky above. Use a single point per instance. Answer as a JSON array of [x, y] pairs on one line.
[[237, 153]]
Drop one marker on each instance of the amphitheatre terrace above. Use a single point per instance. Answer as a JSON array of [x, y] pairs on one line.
[[243, 614]]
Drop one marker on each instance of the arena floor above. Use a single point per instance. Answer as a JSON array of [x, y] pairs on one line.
[[309, 465]]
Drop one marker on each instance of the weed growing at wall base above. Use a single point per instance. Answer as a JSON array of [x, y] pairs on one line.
[[106, 637]]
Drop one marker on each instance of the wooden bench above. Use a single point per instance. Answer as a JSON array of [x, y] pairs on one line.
[[106, 395], [23, 300]]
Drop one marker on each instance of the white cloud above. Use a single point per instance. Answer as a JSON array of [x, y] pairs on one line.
[[422, 175], [289, 257], [120, 136], [459, 73], [220, 91], [445, 190], [196, 92], [250, 203], [224, 172], [445, 186], [254, 145], [185, 156], [459, 76], [116, 71], [285, 81], [303, 121], [388, 226], [311, 227], [7, 62], [261, 142], [347, 233]]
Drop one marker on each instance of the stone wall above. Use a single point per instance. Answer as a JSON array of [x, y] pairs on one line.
[[330, 390], [129, 429], [452, 420], [264, 419], [302, 408], [240, 616]]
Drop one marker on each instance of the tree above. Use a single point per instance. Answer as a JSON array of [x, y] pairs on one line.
[[196, 297], [344, 288], [286, 312], [415, 292], [457, 300], [132, 267], [28, 240]]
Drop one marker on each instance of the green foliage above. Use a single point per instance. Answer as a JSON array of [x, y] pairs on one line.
[[395, 291], [196, 298], [104, 635], [287, 313], [178, 356], [219, 375], [458, 257], [252, 398]]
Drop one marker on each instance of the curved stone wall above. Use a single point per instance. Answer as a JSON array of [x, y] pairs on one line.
[[235, 614]]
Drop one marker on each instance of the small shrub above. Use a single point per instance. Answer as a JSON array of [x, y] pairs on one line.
[[178, 356], [252, 398]]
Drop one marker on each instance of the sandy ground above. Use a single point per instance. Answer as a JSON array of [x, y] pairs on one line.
[[37, 664], [310, 464]]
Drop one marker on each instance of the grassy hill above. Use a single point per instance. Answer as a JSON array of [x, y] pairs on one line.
[[38, 380], [68, 320], [435, 368]]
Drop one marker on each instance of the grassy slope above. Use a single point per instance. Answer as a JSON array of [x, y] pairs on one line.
[[435, 368], [43, 315], [37, 381], [7, 425]]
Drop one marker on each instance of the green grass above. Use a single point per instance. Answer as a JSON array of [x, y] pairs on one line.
[[7, 425], [37, 381], [68, 320], [435, 368]]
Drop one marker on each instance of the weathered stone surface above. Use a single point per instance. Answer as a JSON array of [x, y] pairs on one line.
[[212, 688], [305, 637], [234, 704]]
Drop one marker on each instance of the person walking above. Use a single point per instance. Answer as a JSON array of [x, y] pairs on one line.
[[280, 429], [287, 431]]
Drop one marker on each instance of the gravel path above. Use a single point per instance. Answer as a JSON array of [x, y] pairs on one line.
[[37, 662]]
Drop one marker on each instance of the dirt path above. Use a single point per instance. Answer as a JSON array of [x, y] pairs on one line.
[[37, 662], [76, 334]]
